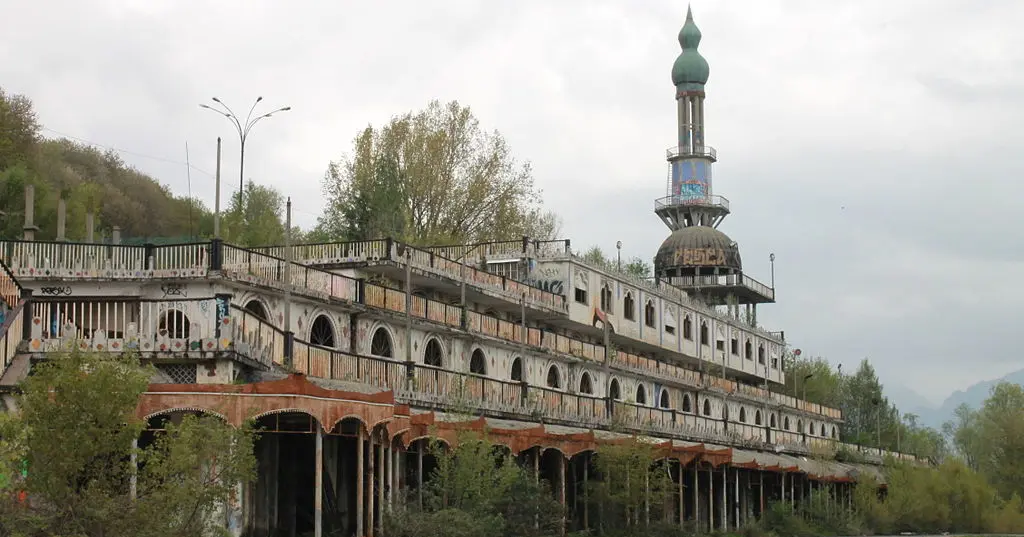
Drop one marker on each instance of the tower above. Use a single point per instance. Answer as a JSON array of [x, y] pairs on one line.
[[697, 256]]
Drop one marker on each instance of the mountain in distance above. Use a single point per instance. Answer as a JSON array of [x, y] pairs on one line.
[[974, 396]]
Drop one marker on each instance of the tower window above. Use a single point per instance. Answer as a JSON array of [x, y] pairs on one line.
[[688, 328], [734, 346], [704, 334], [748, 351], [629, 307], [760, 354]]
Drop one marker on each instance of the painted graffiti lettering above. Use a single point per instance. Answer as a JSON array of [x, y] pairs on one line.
[[55, 291], [174, 289], [548, 278]]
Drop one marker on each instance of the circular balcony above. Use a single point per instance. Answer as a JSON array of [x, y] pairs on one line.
[[681, 152], [691, 201]]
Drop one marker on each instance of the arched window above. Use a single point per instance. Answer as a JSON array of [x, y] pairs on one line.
[[641, 395], [748, 350], [586, 385], [688, 328], [823, 433], [649, 313], [256, 308], [629, 306], [725, 412], [606, 298], [321, 332], [664, 403], [707, 407], [757, 417], [478, 363], [835, 433], [800, 426], [433, 354], [613, 390], [772, 422], [704, 334], [554, 378], [380, 345], [785, 424], [517, 369], [687, 406], [176, 323], [743, 415], [760, 354]]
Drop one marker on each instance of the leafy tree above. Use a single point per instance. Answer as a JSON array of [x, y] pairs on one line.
[[634, 265], [432, 177], [19, 130], [256, 219], [74, 433]]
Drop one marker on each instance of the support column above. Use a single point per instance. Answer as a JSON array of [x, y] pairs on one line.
[[318, 487], [586, 492], [561, 487], [696, 497], [381, 465], [682, 506], [360, 485], [419, 471], [371, 472], [725, 499], [711, 499], [62, 220], [30, 227], [736, 497]]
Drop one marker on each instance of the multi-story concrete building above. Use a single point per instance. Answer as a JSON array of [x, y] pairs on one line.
[[350, 355]]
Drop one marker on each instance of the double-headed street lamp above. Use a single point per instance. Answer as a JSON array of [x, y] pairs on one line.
[[243, 128]]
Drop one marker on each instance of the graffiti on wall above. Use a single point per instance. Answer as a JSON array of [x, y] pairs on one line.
[[550, 277], [707, 257]]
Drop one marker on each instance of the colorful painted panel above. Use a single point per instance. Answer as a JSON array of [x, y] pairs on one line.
[[691, 179]]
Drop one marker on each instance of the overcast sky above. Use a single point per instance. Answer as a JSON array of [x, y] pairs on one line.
[[873, 146]]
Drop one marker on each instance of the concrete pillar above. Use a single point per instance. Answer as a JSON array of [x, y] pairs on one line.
[[696, 497], [115, 237], [419, 471], [711, 499], [318, 487], [90, 228], [62, 220], [30, 210], [736, 497], [682, 507], [360, 485], [382, 464], [371, 472]]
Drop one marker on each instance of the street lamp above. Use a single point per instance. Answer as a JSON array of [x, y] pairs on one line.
[[618, 248], [243, 128], [771, 258]]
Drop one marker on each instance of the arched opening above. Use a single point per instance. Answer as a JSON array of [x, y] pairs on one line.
[[687, 328], [478, 363], [433, 354], [757, 417], [664, 402], [256, 308], [823, 433], [704, 333], [613, 390], [175, 323], [725, 412], [707, 407], [800, 426], [586, 385], [760, 354], [772, 422], [629, 307], [785, 423], [380, 344], [321, 332], [748, 350], [687, 405], [743, 415], [649, 313], [517, 369], [606, 298], [641, 395], [554, 378], [835, 433]]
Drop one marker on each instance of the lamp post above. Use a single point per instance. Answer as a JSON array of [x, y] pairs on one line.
[[618, 255], [243, 128], [771, 258]]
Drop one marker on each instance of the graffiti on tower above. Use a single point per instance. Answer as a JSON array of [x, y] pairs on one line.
[[691, 179]]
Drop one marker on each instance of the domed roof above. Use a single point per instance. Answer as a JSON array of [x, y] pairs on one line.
[[697, 246], [690, 67]]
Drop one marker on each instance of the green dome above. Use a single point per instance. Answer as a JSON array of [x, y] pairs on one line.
[[690, 67]]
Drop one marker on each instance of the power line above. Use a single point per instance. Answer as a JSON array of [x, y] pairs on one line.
[[127, 152]]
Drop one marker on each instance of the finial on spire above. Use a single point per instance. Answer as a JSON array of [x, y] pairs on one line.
[[689, 12]]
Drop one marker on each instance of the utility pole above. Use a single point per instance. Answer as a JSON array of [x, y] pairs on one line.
[[216, 198], [288, 265]]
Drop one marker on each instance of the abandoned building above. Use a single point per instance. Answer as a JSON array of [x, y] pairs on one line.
[[352, 355]]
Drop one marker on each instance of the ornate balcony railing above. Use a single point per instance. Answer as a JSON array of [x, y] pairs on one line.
[[681, 201], [683, 151], [723, 280]]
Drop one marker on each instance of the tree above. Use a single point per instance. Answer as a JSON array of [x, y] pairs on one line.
[[256, 219], [19, 130], [634, 266], [432, 177], [74, 434]]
